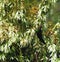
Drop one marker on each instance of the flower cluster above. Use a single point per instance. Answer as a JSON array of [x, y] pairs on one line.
[[8, 34]]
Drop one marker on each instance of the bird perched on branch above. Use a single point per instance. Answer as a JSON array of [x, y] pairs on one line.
[[40, 35]]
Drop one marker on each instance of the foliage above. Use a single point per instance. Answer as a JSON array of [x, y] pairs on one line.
[[19, 22]]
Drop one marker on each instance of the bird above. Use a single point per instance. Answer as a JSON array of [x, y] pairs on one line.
[[40, 35]]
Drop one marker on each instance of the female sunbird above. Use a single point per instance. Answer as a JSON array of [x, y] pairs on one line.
[[40, 35]]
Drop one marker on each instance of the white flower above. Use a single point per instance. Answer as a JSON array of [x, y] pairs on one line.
[[3, 57], [32, 32], [55, 32], [21, 13], [23, 42], [5, 48], [57, 24], [17, 16], [52, 48], [39, 14]]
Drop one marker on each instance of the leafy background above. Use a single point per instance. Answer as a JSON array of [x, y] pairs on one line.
[[19, 23]]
